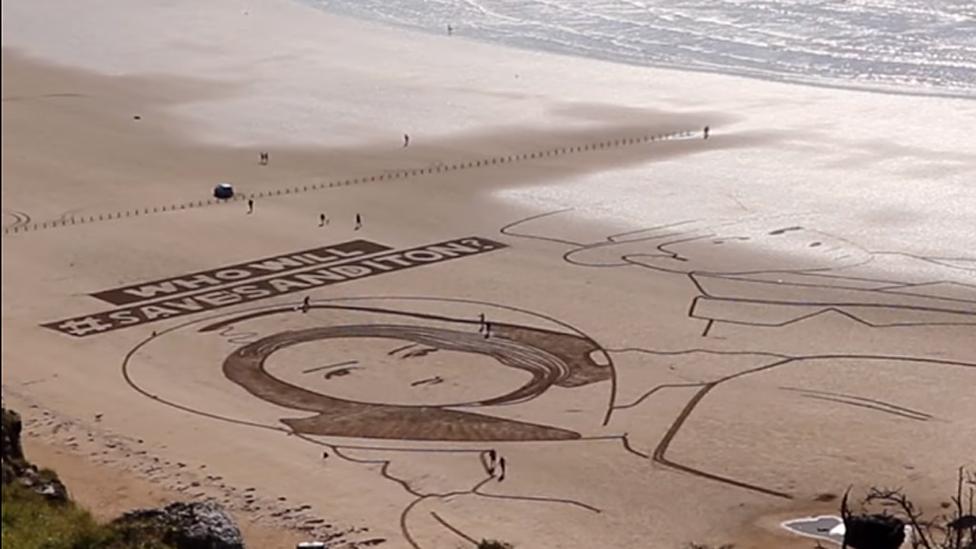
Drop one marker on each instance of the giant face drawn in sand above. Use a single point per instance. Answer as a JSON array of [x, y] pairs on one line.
[[387, 372]]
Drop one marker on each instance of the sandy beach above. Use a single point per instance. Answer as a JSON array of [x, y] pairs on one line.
[[669, 339]]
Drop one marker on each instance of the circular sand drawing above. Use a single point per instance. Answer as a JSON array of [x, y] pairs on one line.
[[384, 368]]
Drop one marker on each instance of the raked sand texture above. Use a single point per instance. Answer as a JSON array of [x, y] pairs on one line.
[[668, 339]]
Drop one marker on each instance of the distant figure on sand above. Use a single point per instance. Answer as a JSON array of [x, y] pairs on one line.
[[322, 220], [492, 456], [406, 140], [481, 328], [706, 132], [359, 222], [306, 304], [487, 330], [265, 157], [501, 467], [250, 205]]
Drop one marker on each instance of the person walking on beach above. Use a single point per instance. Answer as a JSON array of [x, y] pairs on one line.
[[481, 324], [306, 304], [492, 457], [359, 222], [250, 205], [264, 157], [487, 329], [322, 220], [706, 132], [406, 140], [501, 467]]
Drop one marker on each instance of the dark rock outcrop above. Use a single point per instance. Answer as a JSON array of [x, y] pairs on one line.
[[873, 532], [13, 454], [195, 525], [16, 468]]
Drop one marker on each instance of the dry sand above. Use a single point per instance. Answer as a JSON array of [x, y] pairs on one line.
[[109, 491], [717, 332]]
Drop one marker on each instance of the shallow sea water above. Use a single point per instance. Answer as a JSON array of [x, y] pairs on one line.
[[908, 46]]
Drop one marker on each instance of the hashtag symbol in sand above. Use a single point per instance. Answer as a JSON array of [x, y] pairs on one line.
[[83, 326]]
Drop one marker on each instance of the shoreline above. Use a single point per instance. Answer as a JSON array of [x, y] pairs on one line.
[[770, 77]]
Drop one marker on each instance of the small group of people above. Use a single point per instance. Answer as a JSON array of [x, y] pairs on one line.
[[496, 462], [323, 219], [484, 327], [264, 158]]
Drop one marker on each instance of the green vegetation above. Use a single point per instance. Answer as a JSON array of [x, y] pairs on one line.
[[31, 521], [37, 513]]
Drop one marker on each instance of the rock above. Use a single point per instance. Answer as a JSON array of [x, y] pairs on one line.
[[873, 532], [12, 426], [195, 525], [16, 468], [53, 491]]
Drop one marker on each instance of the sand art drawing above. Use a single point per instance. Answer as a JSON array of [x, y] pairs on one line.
[[826, 274], [760, 293], [418, 378], [380, 356], [550, 358], [260, 279], [405, 385]]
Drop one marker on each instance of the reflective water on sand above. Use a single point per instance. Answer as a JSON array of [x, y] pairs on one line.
[[825, 527]]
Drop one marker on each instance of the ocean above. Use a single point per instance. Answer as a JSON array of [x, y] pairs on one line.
[[903, 46]]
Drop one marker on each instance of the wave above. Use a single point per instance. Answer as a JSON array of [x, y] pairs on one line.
[[901, 46]]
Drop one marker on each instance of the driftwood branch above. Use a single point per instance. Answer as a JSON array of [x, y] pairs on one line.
[[953, 529]]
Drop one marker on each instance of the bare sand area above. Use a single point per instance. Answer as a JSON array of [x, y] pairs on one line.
[[668, 339], [108, 491]]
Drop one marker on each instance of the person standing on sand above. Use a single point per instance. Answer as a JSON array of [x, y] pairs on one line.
[[321, 220], [487, 329], [359, 222], [306, 304], [406, 140], [492, 456], [706, 132], [250, 205], [481, 325]]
